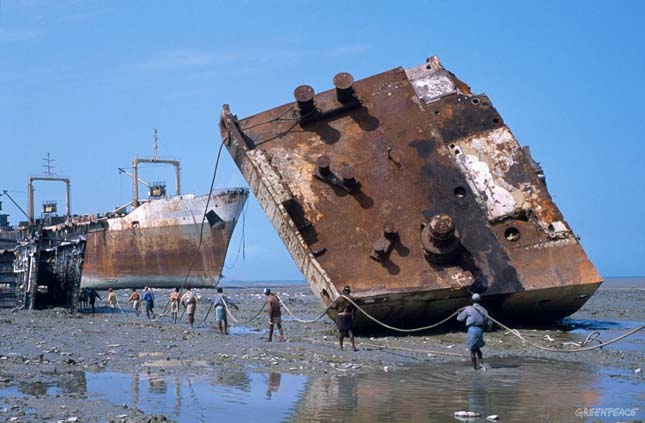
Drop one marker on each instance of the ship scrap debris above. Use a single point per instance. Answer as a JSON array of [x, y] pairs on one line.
[[411, 189]]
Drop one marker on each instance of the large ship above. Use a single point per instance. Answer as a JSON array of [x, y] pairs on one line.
[[162, 241], [158, 244], [411, 189]]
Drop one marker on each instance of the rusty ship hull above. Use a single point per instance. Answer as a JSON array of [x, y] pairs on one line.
[[159, 241], [412, 190]]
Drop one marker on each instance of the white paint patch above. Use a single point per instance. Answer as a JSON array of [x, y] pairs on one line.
[[498, 200], [485, 159], [430, 85]]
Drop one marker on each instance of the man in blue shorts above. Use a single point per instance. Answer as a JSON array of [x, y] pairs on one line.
[[476, 318], [220, 301]]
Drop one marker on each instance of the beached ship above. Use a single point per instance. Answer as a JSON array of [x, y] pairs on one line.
[[158, 242], [411, 189], [162, 241]]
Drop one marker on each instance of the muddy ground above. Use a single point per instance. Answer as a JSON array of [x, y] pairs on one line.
[[41, 349]]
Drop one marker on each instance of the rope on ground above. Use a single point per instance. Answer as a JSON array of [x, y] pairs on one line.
[[388, 347], [228, 311], [385, 325], [411, 349], [304, 320], [515, 332]]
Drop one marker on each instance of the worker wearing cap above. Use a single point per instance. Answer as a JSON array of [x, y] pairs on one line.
[[344, 317], [275, 314], [477, 321]]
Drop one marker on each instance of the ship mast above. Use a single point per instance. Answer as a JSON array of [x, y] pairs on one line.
[[154, 159]]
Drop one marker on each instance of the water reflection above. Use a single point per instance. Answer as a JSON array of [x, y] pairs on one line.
[[516, 390], [527, 390], [229, 395], [273, 384], [66, 383]]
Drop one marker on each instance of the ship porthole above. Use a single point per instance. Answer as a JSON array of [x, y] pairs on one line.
[[512, 234]]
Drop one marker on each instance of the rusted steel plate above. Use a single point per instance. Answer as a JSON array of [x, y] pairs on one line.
[[356, 181]]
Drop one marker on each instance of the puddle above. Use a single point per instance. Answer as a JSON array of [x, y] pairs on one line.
[[516, 390], [244, 330]]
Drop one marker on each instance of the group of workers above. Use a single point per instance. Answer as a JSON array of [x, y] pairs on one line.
[[475, 316]]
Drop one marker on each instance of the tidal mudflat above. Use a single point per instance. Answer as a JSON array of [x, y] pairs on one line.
[[123, 368]]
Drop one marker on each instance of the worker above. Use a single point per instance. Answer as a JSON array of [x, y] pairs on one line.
[[111, 299], [92, 295], [275, 314], [135, 299], [190, 302], [220, 302], [344, 317], [174, 304], [477, 321], [83, 299], [149, 298]]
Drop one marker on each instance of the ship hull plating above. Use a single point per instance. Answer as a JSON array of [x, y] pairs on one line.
[[411, 189], [158, 242]]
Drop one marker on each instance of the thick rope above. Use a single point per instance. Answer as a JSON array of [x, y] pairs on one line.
[[201, 230], [166, 310], [208, 312], [411, 349], [374, 319], [387, 347], [515, 332], [304, 320], [228, 311]]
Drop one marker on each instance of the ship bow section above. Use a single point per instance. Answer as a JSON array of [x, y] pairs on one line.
[[174, 242], [412, 190]]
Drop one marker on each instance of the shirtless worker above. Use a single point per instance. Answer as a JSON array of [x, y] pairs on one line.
[[174, 304], [190, 302], [275, 314], [476, 318], [344, 318], [135, 299], [220, 301]]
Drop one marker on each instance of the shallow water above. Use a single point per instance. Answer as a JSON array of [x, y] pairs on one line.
[[516, 390], [608, 329]]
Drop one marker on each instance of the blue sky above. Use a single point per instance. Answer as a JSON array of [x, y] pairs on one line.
[[88, 81]]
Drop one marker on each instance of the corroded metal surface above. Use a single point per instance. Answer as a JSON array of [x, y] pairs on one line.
[[155, 244], [48, 265], [412, 190]]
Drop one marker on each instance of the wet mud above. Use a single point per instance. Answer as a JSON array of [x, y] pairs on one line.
[[106, 367]]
